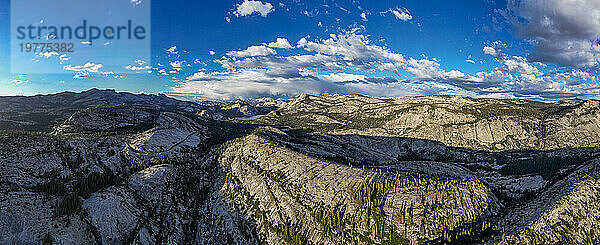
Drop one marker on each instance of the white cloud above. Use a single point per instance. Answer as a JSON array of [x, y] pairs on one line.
[[177, 63], [88, 67], [46, 54], [490, 50], [17, 82], [326, 71], [470, 61], [256, 83], [401, 14], [518, 64], [339, 52], [363, 16], [301, 42], [347, 62], [280, 43], [355, 51], [253, 51], [211, 52], [137, 68], [429, 70], [63, 58], [249, 7], [495, 49], [172, 50]]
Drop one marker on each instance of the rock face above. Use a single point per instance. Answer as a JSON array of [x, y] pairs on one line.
[[566, 212], [172, 133], [484, 124], [118, 168], [76, 186], [107, 119], [329, 203]]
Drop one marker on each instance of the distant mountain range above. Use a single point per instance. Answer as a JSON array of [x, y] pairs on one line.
[[102, 167]]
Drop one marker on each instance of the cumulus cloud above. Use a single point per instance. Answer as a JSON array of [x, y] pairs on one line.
[[339, 52], [351, 63], [490, 50], [353, 47], [248, 7], [256, 83], [495, 49], [518, 64], [552, 87], [562, 32], [323, 70], [280, 43], [430, 70], [253, 51]]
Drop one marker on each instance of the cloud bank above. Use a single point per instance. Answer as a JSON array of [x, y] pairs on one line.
[[351, 63], [564, 32]]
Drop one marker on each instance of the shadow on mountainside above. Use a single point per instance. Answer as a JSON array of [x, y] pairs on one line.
[[381, 152], [354, 149]]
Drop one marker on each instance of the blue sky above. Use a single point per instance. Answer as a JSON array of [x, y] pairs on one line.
[[223, 50]]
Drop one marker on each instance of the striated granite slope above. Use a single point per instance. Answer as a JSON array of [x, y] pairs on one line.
[[329, 203], [566, 212], [102, 188], [484, 124]]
